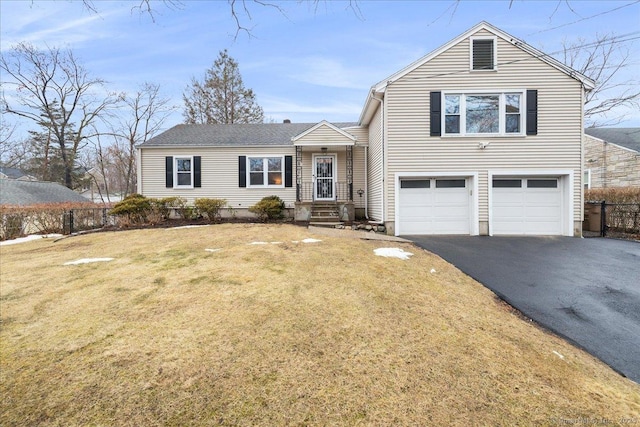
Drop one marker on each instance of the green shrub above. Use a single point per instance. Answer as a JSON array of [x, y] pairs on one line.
[[135, 207], [210, 207], [270, 207], [179, 205]]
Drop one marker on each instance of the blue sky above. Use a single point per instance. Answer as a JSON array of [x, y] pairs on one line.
[[308, 62]]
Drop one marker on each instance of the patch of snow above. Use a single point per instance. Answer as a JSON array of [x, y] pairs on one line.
[[276, 243], [29, 238], [558, 354], [187, 226], [295, 241], [213, 250], [258, 243], [311, 240], [433, 270], [87, 261], [392, 253]]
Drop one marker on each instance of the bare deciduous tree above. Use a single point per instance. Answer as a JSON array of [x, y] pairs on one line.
[[221, 97], [54, 90], [604, 61]]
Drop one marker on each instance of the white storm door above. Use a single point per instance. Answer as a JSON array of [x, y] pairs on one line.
[[325, 176]]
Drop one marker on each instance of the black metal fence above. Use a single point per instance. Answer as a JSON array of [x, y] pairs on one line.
[[612, 218], [85, 219]]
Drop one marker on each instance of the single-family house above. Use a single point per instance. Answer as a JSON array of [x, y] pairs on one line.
[[7, 172], [482, 136], [611, 157], [16, 193]]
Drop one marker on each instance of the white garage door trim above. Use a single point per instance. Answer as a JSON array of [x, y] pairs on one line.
[[471, 186], [565, 183]]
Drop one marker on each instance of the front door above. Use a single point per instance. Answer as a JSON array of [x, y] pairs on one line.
[[325, 175]]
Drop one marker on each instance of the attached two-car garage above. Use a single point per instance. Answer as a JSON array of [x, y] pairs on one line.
[[517, 205]]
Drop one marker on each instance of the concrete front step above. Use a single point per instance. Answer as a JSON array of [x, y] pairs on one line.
[[325, 224], [315, 218]]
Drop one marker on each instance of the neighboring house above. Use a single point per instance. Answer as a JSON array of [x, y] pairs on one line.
[[611, 157], [28, 193], [483, 136], [94, 188], [13, 173]]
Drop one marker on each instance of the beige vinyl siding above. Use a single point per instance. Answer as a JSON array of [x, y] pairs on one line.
[[375, 169], [556, 146], [324, 135], [359, 181], [219, 174]]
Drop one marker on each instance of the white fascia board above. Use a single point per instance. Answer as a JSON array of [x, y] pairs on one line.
[[330, 126], [370, 106]]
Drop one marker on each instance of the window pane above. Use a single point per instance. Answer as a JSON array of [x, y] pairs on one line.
[[183, 165], [512, 103], [184, 179], [275, 178], [507, 183], [452, 124], [256, 178], [450, 183], [275, 164], [512, 123], [452, 104], [255, 164], [483, 114], [415, 183], [542, 183]]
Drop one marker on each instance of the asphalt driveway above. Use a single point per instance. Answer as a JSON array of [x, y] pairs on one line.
[[586, 290]]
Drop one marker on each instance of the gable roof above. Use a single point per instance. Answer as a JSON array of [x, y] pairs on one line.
[[26, 193], [258, 134], [380, 87], [624, 137], [14, 173], [347, 138]]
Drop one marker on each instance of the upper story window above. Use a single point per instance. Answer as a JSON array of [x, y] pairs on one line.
[[483, 113], [265, 171], [183, 171], [483, 53]]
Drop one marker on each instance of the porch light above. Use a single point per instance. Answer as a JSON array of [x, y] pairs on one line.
[[323, 149], [360, 192]]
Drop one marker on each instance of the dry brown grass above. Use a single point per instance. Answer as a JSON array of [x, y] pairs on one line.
[[279, 334]]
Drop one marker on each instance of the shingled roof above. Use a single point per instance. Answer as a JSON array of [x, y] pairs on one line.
[[625, 137], [26, 193], [231, 135]]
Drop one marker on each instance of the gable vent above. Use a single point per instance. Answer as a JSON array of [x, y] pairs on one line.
[[483, 54]]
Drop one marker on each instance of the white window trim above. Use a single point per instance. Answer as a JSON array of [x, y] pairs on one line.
[[265, 171], [501, 112], [495, 53], [175, 171]]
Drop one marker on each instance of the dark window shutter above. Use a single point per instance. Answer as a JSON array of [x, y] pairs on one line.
[[288, 171], [197, 175], [436, 114], [532, 112], [242, 171], [483, 54], [168, 167]]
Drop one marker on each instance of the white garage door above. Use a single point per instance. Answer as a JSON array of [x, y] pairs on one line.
[[526, 206], [433, 206]]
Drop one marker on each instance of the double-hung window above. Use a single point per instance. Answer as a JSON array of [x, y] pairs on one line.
[[183, 171], [265, 171], [483, 113]]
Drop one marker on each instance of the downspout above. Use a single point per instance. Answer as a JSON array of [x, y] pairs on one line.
[[366, 181], [384, 166]]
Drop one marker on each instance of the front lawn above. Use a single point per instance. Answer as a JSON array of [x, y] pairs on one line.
[[242, 324]]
